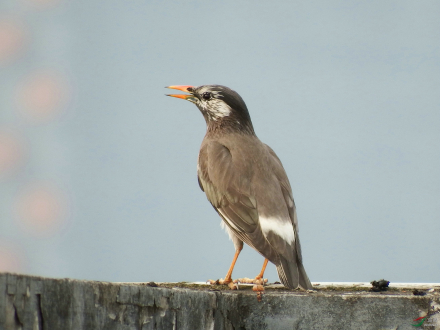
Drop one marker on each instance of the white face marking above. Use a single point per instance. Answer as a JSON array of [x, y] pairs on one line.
[[282, 228], [215, 108], [218, 109]]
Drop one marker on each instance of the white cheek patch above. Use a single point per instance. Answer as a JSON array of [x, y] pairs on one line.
[[282, 228], [216, 108], [220, 109]]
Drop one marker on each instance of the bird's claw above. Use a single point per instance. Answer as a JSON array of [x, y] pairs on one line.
[[259, 288], [233, 285]]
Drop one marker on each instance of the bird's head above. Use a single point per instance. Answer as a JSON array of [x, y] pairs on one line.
[[221, 106]]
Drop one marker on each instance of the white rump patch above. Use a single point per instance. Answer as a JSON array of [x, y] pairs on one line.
[[282, 228]]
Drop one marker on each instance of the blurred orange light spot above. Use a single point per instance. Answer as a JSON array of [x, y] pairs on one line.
[[42, 210], [10, 260], [11, 40], [42, 95]]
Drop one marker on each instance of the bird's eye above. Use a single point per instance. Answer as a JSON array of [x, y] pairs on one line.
[[206, 95]]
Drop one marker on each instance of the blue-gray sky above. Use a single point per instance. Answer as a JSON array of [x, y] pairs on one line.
[[346, 93]]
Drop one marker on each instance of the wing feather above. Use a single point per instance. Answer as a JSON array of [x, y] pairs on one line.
[[218, 177]]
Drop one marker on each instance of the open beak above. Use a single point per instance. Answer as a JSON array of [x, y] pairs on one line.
[[183, 88]]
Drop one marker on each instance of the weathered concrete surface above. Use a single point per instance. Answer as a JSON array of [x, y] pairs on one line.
[[28, 302]]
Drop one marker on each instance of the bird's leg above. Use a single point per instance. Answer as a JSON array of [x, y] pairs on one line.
[[228, 277], [260, 276], [259, 282]]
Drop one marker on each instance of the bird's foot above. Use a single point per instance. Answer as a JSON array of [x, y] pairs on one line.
[[259, 289], [233, 284], [257, 280], [229, 282], [258, 283]]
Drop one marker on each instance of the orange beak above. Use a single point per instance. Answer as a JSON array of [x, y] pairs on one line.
[[183, 88]]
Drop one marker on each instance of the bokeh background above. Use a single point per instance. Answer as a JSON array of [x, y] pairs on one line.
[[98, 167]]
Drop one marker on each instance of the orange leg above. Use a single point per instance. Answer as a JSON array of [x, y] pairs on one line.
[[259, 276], [259, 282], [228, 278]]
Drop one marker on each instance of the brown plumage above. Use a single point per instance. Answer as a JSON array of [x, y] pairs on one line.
[[246, 183]]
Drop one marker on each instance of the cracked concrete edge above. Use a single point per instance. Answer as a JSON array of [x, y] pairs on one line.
[[76, 304], [29, 302]]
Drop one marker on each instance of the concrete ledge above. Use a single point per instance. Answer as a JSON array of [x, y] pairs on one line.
[[28, 302]]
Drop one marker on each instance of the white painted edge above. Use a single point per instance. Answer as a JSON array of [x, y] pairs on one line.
[[368, 285]]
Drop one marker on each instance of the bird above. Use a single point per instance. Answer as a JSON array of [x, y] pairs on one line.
[[246, 183]]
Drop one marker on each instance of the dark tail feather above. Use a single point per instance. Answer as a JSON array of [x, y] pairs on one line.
[[293, 274], [304, 281]]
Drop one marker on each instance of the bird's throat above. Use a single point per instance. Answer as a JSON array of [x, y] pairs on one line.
[[227, 125]]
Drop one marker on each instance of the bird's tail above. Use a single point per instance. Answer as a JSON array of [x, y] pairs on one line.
[[292, 274]]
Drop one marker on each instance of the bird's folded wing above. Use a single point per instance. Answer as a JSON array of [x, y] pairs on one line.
[[227, 190]]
